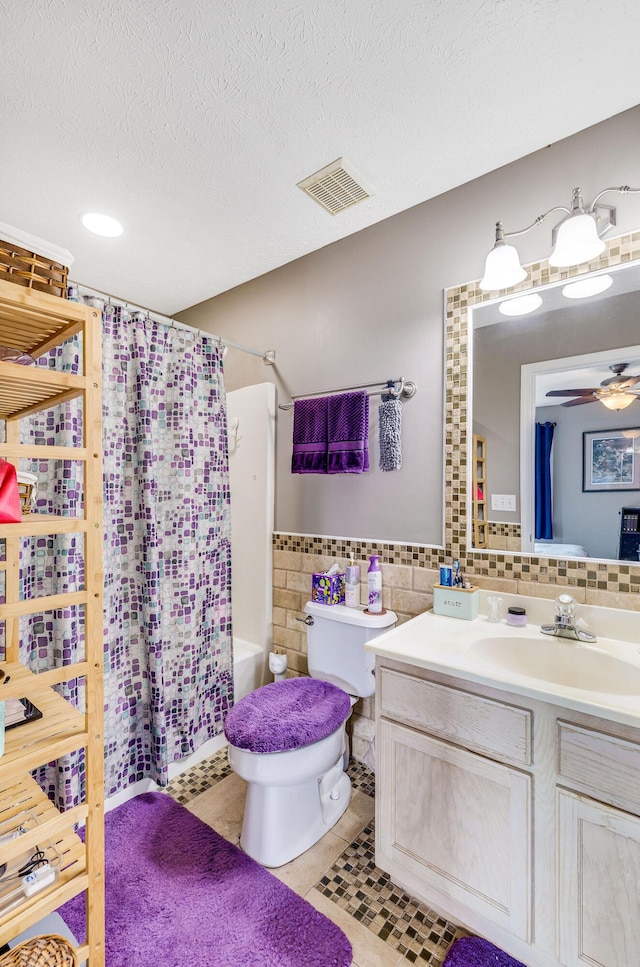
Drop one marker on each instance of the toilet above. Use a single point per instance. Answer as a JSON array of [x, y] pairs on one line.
[[288, 739]]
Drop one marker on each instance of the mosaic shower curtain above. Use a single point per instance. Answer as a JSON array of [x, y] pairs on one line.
[[167, 562], [167, 551]]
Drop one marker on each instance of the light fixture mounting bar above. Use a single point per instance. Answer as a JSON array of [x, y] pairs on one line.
[[537, 221]]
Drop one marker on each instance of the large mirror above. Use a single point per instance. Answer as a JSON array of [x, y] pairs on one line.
[[555, 464]]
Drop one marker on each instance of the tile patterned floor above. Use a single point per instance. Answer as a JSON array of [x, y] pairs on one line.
[[359, 893], [357, 885], [199, 778]]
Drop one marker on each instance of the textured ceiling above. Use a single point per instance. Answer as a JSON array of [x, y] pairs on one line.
[[191, 121]]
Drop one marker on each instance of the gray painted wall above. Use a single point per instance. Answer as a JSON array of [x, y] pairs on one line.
[[371, 307]]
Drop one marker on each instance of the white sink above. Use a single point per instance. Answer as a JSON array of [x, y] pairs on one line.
[[560, 661]]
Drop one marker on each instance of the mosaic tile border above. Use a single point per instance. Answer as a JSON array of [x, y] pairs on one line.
[[496, 528], [361, 777], [413, 555], [366, 893], [614, 577], [200, 777]]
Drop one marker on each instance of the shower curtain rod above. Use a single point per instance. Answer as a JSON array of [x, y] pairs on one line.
[[268, 357], [406, 390]]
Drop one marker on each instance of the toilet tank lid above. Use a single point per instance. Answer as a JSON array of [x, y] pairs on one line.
[[351, 616]]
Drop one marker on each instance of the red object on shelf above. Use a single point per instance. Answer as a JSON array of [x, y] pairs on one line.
[[10, 512]]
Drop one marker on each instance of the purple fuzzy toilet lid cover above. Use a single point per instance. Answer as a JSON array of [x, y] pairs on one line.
[[287, 715]]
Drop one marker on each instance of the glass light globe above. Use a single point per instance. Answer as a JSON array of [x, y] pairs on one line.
[[502, 268], [577, 241], [618, 401]]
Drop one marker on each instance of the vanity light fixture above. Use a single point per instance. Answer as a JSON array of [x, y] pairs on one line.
[[521, 306], [103, 225], [584, 288], [576, 239]]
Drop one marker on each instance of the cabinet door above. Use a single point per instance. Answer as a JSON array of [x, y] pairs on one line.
[[455, 826], [598, 877]]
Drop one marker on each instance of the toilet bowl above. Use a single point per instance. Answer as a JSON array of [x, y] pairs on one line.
[[287, 740]]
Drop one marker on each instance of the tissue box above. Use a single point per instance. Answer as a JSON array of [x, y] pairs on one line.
[[327, 588], [456, 602]]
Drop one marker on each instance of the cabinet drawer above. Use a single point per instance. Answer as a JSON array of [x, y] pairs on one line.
[[481, 724], [604, 765]]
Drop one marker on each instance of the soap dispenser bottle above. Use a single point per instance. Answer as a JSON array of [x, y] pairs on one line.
[[352, 586], [374, 585]]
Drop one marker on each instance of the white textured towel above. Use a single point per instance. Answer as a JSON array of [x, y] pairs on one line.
[[390, 416]]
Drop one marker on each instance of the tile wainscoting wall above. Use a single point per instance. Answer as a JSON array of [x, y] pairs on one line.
[[503, 536]]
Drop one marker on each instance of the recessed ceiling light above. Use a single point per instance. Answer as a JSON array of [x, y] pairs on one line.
[[586, 287], [520, 306], [102, 225]]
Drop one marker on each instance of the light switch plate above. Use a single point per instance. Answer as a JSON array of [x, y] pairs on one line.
[[503, 502]]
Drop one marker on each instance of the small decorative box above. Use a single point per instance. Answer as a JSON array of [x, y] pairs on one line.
[[456, 602], [327, 588]]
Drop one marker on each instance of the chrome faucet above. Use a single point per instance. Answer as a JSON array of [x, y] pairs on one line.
[[565, 624]]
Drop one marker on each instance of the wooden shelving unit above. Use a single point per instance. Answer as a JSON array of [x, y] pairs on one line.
[[479, 495], [35, 323]]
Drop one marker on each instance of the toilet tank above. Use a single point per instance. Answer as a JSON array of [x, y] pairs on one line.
[[335, 645]]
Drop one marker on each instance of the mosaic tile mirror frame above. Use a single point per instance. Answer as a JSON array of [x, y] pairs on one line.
[[602, 575]]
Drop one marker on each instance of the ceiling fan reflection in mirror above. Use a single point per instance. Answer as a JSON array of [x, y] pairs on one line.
[[616, 392]]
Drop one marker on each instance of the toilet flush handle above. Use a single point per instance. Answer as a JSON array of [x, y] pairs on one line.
[[306, 621]]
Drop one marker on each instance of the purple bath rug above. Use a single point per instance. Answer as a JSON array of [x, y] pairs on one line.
[[179, 894], [476, 952]]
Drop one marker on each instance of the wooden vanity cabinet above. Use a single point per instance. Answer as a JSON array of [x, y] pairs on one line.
[[510, 817]]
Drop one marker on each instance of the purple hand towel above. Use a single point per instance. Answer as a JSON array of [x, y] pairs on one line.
[[348, 433], [309, 436]]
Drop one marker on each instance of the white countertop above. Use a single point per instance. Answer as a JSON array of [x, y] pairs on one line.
[[450, 646]]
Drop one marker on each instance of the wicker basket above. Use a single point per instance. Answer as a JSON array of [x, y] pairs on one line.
[[34, 271], [47, 951], [27, 488]]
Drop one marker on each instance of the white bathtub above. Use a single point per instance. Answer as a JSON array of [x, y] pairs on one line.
[[248, 667], [249, 670]]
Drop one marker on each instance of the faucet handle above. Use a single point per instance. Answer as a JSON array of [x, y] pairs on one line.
[[565, 607]]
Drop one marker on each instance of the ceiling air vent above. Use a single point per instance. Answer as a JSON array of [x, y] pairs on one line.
[[335, 187]]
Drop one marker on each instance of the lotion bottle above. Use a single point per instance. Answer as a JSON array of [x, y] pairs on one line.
[[352, 586], [374, 585]]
